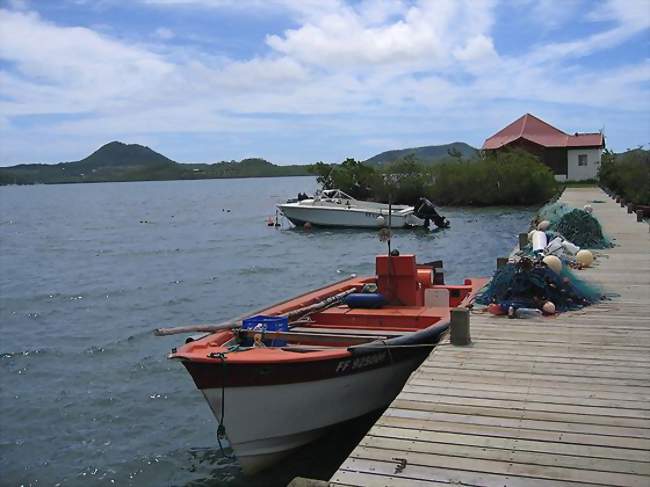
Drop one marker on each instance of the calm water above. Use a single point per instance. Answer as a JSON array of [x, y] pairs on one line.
[[87, 271]]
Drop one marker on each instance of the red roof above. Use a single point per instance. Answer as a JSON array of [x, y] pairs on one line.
[[539, 132]]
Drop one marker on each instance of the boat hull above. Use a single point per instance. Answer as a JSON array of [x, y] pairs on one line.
[[346, 217], [264, 423]]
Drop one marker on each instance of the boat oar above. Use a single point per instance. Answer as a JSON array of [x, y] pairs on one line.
[[206, 328], [292, 316], [312, 308]]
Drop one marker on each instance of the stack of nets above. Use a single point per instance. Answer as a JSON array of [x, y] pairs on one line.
[[575, 225], [530, 283]]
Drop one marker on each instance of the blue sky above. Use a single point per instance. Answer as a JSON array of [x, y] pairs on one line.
[[297, 81]]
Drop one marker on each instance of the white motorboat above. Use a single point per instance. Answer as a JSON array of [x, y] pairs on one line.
[[334, 208]]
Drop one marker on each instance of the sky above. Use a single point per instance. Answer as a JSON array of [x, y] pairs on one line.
[[298, 81]]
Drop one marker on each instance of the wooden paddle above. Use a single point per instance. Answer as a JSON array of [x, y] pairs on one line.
[[293, 317]]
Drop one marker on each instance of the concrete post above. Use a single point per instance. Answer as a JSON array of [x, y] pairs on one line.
[[630, 208], [523, 240], [459, 327], [639, 215], [622, 203], [501, 262]]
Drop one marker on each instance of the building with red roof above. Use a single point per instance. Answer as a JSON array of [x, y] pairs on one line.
[[573, 157]]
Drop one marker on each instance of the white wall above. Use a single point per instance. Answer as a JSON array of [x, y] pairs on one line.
[[579, 173]]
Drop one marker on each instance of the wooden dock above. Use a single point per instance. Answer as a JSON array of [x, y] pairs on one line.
[[538, 402]]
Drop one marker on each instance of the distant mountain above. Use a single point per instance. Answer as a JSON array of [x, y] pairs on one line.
[[429, 154], [118, 154], [117, 161]]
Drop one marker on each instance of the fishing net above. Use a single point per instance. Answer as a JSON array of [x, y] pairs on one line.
[[529, 283], [575, 225]]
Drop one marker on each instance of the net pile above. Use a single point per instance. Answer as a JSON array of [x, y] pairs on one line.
[[529, 283], [575, 225]]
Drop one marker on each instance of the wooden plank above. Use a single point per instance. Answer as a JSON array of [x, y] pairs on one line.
[[409, 411], [510, 443], [628, 407], [505, 372], [484, 407], [445, 474], [511, 430], [349, 331], [508, 454], [368, 479], [504, 468], [495, 355], [578, 370]]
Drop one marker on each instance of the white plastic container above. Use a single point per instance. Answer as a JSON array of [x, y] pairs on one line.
[[539, 241], [527, 313], [570, 248]]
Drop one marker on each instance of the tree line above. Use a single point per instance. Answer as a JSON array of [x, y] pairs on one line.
[[512, 177]]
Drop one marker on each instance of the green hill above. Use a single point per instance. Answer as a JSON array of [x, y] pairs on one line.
[[118, 154], [117, 161], [429, 154]]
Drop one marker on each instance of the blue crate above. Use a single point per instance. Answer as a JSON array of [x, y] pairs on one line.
[[269, 323]]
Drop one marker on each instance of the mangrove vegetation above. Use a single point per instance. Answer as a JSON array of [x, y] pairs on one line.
[[507, 178], [627, 174]]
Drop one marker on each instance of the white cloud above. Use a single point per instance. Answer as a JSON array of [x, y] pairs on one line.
[[422, 38], [378, 69]]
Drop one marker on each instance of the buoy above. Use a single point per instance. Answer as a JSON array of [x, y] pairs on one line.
[[381, 221], [543, 225], [588, 208], [495, 309], [548, 308], [554, 263], [307, 226], [585, 258]]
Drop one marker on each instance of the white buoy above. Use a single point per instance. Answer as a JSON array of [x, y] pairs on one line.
[[585, 258], [554, 263], [539, 241], [548, 308], [543, 225], [588, 208]]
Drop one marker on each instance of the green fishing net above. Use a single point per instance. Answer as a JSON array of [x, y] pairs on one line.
[[530, 283], [575, 225]]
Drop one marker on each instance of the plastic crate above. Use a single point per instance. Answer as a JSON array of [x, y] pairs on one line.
[[268, 323]]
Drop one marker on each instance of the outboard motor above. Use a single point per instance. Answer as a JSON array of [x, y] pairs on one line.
[[427, 212]]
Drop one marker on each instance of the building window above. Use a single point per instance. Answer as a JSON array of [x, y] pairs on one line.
[[582, 159]]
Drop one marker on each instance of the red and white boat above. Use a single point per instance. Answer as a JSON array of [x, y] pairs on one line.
[[348, 351]]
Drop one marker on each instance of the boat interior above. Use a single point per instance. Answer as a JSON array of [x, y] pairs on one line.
[[401, 299]]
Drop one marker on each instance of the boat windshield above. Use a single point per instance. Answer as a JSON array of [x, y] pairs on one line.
[[335, 193]]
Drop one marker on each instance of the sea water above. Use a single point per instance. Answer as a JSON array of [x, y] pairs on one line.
[[87, 395]]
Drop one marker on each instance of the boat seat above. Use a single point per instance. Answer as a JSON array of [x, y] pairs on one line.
[[397, 318], [351, 331]]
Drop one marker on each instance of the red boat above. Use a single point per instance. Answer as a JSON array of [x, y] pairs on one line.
[[347, 351]]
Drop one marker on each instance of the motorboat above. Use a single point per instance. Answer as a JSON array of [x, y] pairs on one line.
[[334, 208], [279, 378]]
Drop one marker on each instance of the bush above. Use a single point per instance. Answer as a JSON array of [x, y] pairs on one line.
[[627, 174], [509, 178]]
